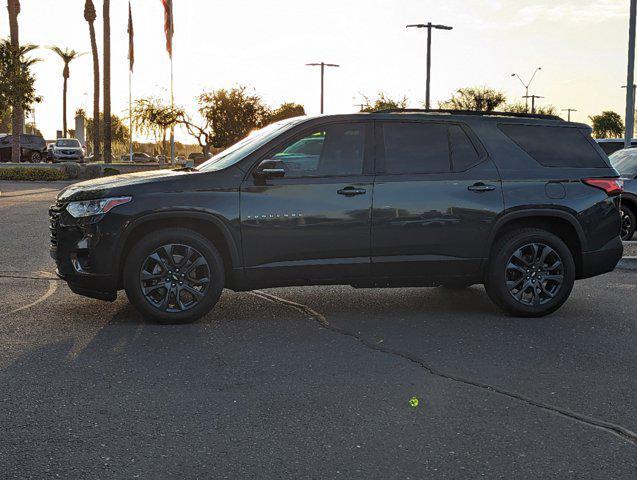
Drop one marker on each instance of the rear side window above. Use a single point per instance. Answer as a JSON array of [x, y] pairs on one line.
[[416, 148], [463, 153], [555, 146]]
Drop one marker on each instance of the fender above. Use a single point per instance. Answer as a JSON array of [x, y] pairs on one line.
[[539, 212], [182, 214]]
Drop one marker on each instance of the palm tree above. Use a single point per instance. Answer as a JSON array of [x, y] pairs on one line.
[[107, 81], [17, 114], [90, 16], [67, 57]]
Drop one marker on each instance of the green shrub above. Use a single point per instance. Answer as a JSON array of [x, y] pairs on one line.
[[71, 169], [92, 170], [31, 173], [110, 171]]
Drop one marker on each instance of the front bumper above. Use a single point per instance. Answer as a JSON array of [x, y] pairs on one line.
[[84, 253], [76, 157], [603, 260]]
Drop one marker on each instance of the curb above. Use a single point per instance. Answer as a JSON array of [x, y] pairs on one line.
[[628, 263]]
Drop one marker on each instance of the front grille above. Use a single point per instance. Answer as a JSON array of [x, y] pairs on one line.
[[54, 221]]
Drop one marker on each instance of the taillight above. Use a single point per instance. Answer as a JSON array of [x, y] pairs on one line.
[[612, 186]]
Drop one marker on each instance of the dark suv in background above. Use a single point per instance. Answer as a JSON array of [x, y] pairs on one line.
[[522, 204], [32, 148]]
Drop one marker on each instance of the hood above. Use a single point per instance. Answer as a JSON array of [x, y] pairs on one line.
[[118, 184], [55, 147]]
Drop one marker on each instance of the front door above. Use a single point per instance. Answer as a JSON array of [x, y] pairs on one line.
[[312, 224], [436, 198]]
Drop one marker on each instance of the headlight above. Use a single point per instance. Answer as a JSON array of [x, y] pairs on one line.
[[100, 206]]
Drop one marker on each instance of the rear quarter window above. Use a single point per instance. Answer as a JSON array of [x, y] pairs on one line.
[[554, 146]]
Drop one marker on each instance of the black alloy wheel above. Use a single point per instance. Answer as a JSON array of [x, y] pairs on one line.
[[175, 277], [534, 274]]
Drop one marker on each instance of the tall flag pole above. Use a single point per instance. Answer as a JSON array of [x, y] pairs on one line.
[[131, 62], [169, 29]]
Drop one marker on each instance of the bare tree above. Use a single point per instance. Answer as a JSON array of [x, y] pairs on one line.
[[108, 134], [17, 113]]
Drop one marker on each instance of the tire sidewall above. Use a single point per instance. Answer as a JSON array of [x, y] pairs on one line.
[[496, 282], [151, 242]]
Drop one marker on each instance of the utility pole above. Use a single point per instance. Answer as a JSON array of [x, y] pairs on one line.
[[533, 97], [630, 92], [527, 85], [634, 97], [322, 65], [429, 26], [569, 110]]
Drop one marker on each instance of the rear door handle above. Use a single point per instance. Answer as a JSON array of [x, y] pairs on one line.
[[481, 187], [351, 191]]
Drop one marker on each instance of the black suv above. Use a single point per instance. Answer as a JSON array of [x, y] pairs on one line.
[[32, 148], [522, 204]]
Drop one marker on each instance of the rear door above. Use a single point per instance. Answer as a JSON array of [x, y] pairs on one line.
[[436, 198]]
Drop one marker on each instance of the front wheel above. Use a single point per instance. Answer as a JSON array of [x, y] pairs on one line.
[[174, 276], [531, 273], [36, 157]]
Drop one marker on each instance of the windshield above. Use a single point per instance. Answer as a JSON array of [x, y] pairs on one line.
[[67, 142], [625, 161], [245, 147]]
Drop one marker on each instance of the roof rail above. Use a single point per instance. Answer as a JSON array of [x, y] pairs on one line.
[[472, 112]]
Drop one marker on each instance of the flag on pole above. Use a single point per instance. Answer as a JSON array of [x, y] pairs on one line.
[[168, 25], [131, 36]]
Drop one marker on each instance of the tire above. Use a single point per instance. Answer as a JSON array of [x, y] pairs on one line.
[[628, 223], [511, 270], [159, 301], [36, 157]]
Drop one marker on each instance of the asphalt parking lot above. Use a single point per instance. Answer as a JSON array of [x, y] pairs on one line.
[[308, 382]]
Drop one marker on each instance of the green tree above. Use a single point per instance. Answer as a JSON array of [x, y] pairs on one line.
[[17, 83], [608, 124], [232, 114], [153, 117], [121, 132], [67, 57], [521, 108], [286, 110], [478, 99], [383, 102], [90, 16]]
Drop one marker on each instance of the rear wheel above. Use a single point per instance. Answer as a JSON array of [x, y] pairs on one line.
[[174, 276], [531, 273], [628, 223]]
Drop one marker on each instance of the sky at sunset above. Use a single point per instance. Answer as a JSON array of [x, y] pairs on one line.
[[581, 46]]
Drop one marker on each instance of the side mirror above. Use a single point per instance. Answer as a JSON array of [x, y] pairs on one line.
[[270, 169]]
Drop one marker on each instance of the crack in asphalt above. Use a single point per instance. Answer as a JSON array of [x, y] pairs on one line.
[[31, 276], [608, 427]]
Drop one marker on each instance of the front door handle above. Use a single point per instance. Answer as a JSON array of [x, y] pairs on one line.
[[481, 187], [351, 191]]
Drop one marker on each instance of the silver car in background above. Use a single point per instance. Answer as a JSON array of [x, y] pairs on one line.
[[67, 150]]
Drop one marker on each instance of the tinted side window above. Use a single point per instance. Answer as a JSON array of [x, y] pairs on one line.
[[416, 148], [329, 151], [463, 153], [555, 146]]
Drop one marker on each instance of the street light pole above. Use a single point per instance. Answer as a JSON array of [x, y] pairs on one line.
[[569, 110], [322, 65], [429, 26], [527, 85], [630, 92]]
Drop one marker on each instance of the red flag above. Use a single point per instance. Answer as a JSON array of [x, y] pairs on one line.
[[131, 36], [168, 25]]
